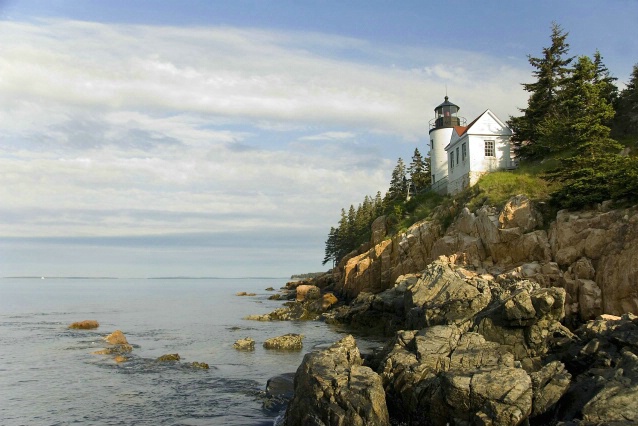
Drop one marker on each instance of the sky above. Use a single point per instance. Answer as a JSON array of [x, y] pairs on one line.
[[222, 138]]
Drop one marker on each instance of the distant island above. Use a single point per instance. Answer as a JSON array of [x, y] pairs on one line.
[[306, 275]]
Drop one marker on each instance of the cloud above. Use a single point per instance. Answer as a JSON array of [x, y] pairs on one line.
[[329, 136], [114, 130], [239, 74]]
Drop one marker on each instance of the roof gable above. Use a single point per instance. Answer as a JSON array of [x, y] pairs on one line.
[[487, 124]]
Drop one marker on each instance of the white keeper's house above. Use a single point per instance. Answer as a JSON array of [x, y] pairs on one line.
[[461, 153]]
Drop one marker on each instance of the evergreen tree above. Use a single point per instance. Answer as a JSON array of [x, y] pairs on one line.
[[331, 247], [550, 72], [364, 216], [352, 226], [419, 172], [626, 120], [590, 174], [344, 235], [608, 88], [398, 182], [587, 112]]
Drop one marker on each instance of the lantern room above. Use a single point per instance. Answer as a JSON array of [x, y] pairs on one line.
[[446, 115]]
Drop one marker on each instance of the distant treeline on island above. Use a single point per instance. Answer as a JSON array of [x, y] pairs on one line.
[[306, 275]]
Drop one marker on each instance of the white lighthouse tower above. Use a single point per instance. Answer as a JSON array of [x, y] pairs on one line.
[[441, 127]]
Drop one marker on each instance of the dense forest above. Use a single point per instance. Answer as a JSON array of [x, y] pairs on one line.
[[578, 136]]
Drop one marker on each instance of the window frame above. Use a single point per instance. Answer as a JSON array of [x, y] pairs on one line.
[[490, 147]]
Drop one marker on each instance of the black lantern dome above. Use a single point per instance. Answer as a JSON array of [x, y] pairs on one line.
[[445, 115]]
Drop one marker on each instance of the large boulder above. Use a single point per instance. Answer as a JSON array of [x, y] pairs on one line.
[[501, 396], [519, 212], [333, 388], [444, 295], [307, 292]]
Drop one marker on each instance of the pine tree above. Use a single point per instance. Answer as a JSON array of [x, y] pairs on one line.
[[364, 216], [587, 111], [343, 235], [550, 72], [398, 187], [626, 120], [331, 247], [419, 172], [589, 175], [352, 226], [603, 77]]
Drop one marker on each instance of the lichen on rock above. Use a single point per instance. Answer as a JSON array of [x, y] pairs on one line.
[[332, 387], [288, 342], [246, 344], [85, 325]]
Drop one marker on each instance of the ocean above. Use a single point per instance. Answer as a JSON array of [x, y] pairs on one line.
[[50, 376]]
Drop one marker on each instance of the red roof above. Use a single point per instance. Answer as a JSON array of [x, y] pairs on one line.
[[463, 130], [460, 130]]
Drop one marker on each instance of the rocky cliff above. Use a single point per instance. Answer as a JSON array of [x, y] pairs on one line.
[[591, 254], [478, 314], [468, 349]]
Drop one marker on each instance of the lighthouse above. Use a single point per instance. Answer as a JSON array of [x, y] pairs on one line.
[[441, 127]]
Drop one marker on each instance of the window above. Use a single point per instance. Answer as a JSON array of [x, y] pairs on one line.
[[457, 155], [431, 143], [433, 180], [452, 159], [489, 149], [464, 150]]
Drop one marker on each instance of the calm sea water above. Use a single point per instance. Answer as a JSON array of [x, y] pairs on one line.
[[49, 376]]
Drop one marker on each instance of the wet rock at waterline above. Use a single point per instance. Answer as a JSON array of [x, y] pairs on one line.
[[115, 350], [332, 387], [116, 338], [311, 308], [279, 390], [288, 342], [246, 344], [85, 325], [168, 358]]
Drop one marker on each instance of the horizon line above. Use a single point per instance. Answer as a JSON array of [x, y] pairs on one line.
[[38, 277]]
